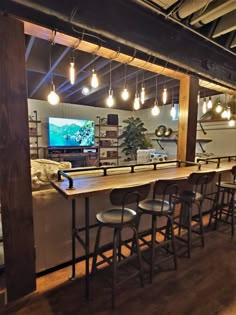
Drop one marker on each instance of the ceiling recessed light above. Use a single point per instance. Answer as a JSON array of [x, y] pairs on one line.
[[85, 90]]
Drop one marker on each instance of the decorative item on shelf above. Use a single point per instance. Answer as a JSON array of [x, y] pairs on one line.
[[32, 131], [103, 133], [112, 154], [105, 143], [160, 131], [111, 133], [112, 119]]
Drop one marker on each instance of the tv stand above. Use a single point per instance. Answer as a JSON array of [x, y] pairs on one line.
[[79, 157]]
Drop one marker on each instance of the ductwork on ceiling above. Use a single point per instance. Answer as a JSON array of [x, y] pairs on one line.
[[214, 11], [226, 24], [189, 7]]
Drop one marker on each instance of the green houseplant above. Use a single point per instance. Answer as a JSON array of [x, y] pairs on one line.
[[134, 138]]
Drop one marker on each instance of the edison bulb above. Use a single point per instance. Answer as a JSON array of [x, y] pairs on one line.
[[94, 80], [136, 102], [142, 95], [110, 99], [164, 96], [125, 94], [53, 98]]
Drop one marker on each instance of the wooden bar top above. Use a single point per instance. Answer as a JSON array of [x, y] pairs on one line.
[[86, 186]]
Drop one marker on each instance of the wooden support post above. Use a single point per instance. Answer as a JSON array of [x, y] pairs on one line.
[[15, 180], [187, 126]]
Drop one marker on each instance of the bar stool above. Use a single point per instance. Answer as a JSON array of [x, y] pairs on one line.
[[162, 205], [118, 218], [225, 210], [190, 216]]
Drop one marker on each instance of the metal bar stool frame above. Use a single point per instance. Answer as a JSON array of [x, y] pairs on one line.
[[118, 218], [225, 208], [189, 199], [162, 204]]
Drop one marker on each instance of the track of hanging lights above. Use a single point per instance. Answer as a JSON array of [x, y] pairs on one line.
[[53, 97]]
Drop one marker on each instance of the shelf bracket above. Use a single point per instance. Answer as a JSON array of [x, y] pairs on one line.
[[203, 130], [203, 151], [158, 141]]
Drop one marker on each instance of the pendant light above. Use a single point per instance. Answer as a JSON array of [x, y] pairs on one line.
[[156, 108], [142, 94], [209, 103], [136, 97], [173, 109], [125, 92], [164, 95], [72, 70], [232, 123], [110, 99], [219, 107], [53, 97], [204, 106], [94, 79], [198, 97]]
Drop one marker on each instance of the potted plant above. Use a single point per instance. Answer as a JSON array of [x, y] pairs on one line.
[[134, 138]]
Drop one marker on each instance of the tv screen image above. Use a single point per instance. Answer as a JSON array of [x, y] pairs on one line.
[[67, 132]]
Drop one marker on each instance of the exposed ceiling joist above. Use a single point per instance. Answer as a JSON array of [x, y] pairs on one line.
[[226, 24], [215, 10]]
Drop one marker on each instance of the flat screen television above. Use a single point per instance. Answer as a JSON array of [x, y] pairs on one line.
[[67, 132]]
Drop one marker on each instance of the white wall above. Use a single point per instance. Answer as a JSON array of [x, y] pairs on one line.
[[223, 137], [63, 110]]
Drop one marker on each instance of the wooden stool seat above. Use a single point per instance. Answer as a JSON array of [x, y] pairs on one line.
[[111, 217], [156, 207]]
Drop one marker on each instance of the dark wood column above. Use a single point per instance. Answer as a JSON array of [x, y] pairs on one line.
[[15, 180], [187, 126]]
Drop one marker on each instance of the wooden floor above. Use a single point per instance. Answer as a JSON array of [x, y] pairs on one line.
[[202, 285]]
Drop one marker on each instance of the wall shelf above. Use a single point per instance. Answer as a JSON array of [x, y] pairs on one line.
[[198, 140]]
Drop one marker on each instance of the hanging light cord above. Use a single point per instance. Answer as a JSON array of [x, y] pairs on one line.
[[125, 74], [110, 74], [156, 87]]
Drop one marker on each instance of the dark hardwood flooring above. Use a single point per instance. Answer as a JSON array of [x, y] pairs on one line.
[[205, 284]]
